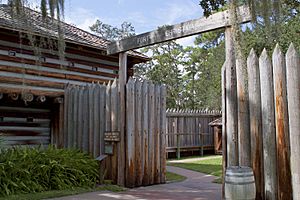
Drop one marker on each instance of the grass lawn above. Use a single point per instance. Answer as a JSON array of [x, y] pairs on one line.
[[208, 165], [172, 177], [61, 193]]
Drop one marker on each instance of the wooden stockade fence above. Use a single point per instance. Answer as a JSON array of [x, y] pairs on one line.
[[93, 110], [190, 130], [146, 122], [85, 118], [273, 136]]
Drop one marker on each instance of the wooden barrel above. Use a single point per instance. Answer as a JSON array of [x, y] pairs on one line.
[[239, 183]]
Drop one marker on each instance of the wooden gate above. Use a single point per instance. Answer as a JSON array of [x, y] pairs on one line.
[[93, 111]]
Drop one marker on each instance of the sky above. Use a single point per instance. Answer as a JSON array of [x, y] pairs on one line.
[[145, 15]]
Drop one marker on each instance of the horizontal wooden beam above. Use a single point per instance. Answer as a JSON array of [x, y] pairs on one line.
[[167, 33]]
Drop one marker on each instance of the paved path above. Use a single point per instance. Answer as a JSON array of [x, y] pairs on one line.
[[188, 160], [197, 186]]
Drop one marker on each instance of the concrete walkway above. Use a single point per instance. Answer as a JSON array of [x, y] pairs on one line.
[[197, 186]]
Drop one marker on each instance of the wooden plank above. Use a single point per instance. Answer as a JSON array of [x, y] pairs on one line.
[[255, 123], [98, 102], [122, 84], [157, 135], [138, 133], [163, 159], [130, 136], [115, 127], [145, 128], [38, 91], [102, 115], [70, 118], [188, 28], [293, 88], [268, 126], [151, 104], [80, 118], [111, 170], [85, 133], [224, 134], [281, 122], [90, 118], [243, 115], [66, 122], [231, 101], [61, 123], [75, 116]]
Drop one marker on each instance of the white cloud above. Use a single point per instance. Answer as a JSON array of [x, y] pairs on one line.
[[176, 11], [82, 18]]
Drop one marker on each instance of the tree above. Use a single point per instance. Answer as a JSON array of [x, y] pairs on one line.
[[55, 7], [110, 32], [166, 68]]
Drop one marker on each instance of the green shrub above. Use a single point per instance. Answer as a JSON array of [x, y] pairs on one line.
[[28, 170]]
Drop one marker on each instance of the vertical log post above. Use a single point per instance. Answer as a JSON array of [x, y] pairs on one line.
[[130, 134], [145, 133], [121, 149], [231, 100], [268, 126], [138, 133], [163, 159], [255, 123], [224, 135], [178, 145], [243, 115], [282, 129], [293, 94]]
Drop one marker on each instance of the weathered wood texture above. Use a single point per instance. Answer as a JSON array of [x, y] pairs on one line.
[[255, 123], [192, 27], [122, 123], [20, 125], [186, 127], [145, 136], [243, 115], [224, 133], [273, 89], [282, 127], [231, 101], [293, 94], [268, 126], [85, 118], [22, 70]]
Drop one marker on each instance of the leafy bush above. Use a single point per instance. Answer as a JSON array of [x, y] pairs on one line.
[[28, 170]]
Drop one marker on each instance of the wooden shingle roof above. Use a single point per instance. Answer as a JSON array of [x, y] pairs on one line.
[[49, 27]]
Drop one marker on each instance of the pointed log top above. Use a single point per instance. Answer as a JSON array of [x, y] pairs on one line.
[[264, 54], [114, 83], [292, 50], [277, 51], [252, 54]]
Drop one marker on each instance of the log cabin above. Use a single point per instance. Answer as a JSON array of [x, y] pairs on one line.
[[33, 76]]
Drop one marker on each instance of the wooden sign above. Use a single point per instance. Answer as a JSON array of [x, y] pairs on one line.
[[167, 33], [112, 136]]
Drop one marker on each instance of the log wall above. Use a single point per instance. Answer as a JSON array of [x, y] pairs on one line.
[[24, 70], [273, 90]]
